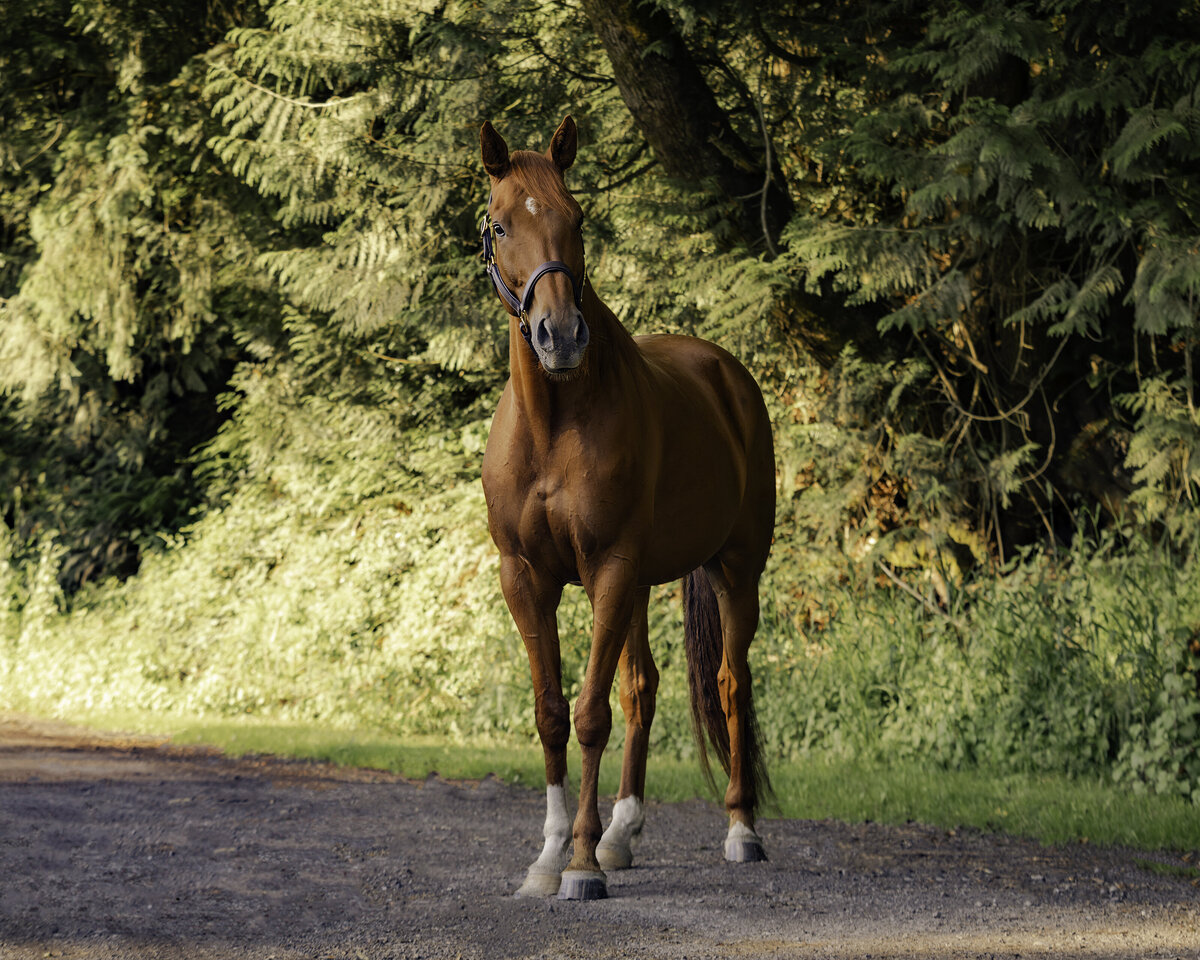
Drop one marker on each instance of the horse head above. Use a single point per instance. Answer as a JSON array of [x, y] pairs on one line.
[[533, 246]]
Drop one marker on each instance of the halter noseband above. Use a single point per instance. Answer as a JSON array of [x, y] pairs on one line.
[[520, 305]]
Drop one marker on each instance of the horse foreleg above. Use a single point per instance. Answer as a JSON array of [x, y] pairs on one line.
[[611, 591], [639, 683], [544, 875], [739, 619], [533, 600]]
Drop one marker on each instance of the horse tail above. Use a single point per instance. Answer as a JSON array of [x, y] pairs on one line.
[[705, 650], [702, 641]]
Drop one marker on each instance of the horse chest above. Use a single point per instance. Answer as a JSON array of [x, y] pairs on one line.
[[565, 513], [580, 510]]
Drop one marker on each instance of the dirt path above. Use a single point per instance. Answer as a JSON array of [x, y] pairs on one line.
[[129, 848]]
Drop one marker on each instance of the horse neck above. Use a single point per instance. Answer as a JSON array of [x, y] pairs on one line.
[[612, 359]]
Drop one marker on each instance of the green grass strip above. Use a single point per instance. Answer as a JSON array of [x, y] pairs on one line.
[[1051, 808]]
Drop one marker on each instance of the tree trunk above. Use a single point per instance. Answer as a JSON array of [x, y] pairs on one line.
[[692, 138], [677, 113]]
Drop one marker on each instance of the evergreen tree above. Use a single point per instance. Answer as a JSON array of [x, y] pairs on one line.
[[124, 273], [1017, 193], [978, 218]]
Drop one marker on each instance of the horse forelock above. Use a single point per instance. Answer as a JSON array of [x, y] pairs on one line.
[[540, 179]]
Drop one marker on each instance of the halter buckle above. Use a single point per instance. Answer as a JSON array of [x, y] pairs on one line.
[[487, 233]]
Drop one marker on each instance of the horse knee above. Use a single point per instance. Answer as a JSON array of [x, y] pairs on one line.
[[553, 720], [593, 722]]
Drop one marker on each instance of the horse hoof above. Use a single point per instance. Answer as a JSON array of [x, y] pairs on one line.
[[613, 857], [582, 885], [539, 885], [744, 851]]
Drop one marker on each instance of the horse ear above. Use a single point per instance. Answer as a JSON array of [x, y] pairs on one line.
[[563, 144], [495, 151]]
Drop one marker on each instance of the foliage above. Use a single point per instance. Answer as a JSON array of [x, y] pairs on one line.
[[1052, 667], [1014, 196], [1162, 755], [247, 360], [124, 276], [389, 619]]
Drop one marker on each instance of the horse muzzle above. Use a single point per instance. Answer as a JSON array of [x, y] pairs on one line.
[[559, 340]]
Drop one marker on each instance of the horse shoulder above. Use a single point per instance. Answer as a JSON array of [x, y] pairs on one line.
[[505, 471]]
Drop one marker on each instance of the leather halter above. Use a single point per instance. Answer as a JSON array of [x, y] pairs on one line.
[[520, 305]]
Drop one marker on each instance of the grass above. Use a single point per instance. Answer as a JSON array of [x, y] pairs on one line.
[[1053, 809], [1185, 871]]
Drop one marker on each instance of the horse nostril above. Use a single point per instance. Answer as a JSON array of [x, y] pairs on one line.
[[542, 334], [582, 335]]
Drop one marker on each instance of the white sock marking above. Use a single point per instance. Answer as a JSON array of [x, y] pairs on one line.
[[738, 834], [627, 819], [557, 831], [739, 831]]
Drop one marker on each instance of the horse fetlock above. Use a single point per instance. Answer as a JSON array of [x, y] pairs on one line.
[[740, 799], [628, 816], [553, 858], [586, 837], [558, 819]]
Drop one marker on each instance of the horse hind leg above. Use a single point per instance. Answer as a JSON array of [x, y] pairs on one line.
[[737, 601], [639, 684]]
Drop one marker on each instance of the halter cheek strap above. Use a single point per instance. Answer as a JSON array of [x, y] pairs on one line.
[[520, 305]]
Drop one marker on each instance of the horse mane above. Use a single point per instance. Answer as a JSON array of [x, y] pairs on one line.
[[540, 178]]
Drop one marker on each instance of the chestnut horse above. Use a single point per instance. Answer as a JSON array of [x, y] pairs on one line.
[[618, 462]]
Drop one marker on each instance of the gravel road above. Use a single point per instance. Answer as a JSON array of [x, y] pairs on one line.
[[124, 847]]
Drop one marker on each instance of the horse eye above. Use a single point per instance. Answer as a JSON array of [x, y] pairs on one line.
[[499, 230]]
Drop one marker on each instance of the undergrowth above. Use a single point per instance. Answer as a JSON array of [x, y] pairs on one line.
[[1076, 661]]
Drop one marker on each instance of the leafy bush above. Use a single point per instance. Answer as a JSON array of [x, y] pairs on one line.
[[1069, 662], [388, 615], [1163, 755]]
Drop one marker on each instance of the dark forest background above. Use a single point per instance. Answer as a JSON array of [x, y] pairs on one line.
[[248, 355]]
